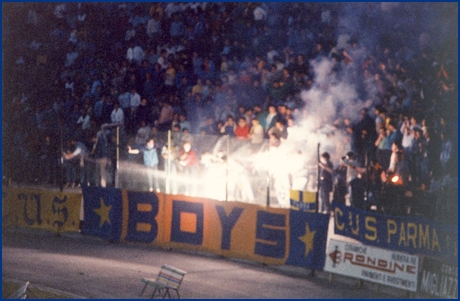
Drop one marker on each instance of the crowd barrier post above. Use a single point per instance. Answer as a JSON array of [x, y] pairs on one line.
[[168, 165], [367, 164], [268, 177], [228, 158], [117, 158], [61, 160], [318, 179], [313, 272]]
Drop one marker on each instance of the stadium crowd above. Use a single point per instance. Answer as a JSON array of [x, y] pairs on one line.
[[237, 69]]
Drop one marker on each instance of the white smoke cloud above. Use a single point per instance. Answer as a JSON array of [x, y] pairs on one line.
[[339, 93], [334, 94]]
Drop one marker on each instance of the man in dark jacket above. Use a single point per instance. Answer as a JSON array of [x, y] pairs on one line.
[[325, 183]]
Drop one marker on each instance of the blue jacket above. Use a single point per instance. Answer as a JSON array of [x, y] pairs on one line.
[[150, 157]]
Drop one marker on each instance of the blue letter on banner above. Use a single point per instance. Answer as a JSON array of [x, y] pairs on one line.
[[143, 208], [227, 222], [177, 235], [270, 242], [37, 199], [409, 234]]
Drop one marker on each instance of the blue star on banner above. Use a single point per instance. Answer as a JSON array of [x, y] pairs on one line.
[[308, 237], [103, 212]]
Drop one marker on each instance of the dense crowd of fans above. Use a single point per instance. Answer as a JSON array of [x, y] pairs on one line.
[[235, 69]]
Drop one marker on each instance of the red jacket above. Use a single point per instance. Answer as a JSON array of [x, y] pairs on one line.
[[189, 159], [242, 132]]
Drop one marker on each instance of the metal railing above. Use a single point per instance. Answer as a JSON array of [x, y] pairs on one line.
[[228, 169]]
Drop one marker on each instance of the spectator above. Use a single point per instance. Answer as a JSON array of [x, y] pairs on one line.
[[148, 88], [396, 179], [74, 163], [135, 53], [229, 127], [183, 88], [393, 134], [242, 129], [134, 100], [340, 182], [142, 134], [260, 16], [169, 82], [271, 53], [420, 171], [183, 122], [150, 157], [101, 153], [162, 60], [124, 100], [256, 94], [117, 115], [447, 154], [270, 117], [380, 118], [325, 183], [209, 127], [143, 112], [176, 29], [189, 162], [85, 121], [354, 181], [164, 122], [198, 88], [197, 61], [154, 27], [49, 158], [368, 124], [383, 148], [256, 134], [279, 129]]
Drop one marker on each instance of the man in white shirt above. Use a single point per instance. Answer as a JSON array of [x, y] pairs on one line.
[[135, 54], [271, 53], [117, 115], [134, 100], [260, 15], [162, 60], [84, 120], [407, 131]]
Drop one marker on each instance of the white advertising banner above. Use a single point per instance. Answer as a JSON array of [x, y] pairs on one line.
[[373, 264]]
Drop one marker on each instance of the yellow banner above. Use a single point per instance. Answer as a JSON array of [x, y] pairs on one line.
[[43, 209], [231, 229], [303, 200]]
